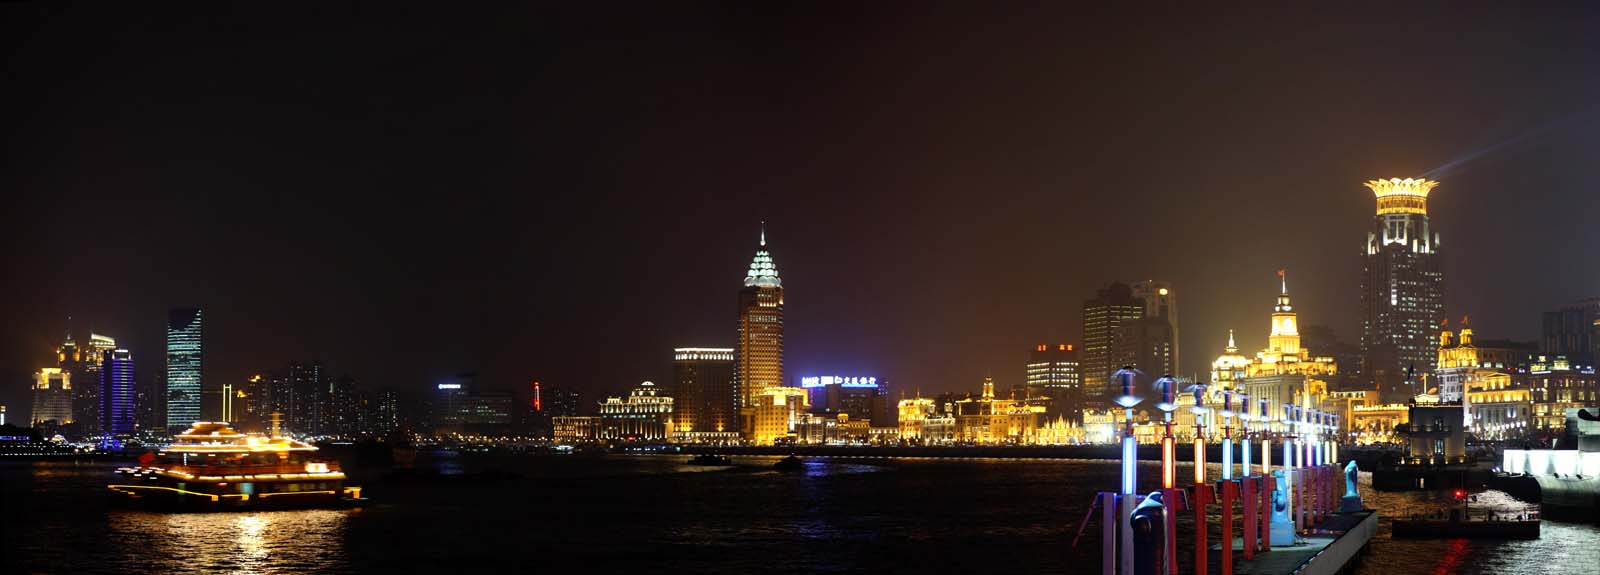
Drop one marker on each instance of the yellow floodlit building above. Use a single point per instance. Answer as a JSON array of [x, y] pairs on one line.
[[776, 413], [1284, 373]]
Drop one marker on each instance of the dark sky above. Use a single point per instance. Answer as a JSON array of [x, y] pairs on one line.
[[566, 193]]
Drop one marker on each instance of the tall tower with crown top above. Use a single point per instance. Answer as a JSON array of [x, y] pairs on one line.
[[758, 354], [1402, 289]]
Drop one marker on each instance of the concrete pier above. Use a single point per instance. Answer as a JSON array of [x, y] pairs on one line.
[[1330, 546]]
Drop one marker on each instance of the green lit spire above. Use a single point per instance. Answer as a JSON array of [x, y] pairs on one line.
[[763, 272]]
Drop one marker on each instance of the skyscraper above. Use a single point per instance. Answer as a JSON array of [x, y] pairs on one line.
[[52, 397], [1160, 301], [116, 396], [758, 357], [1103, 319], [88, 372], [702, 389], [299, 397], [1402, 288], [185, 367], [73, 361], [1569, 331]]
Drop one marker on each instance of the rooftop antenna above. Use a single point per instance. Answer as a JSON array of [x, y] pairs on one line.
[[763, 233]]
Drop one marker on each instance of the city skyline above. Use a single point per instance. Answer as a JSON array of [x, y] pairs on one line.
[[933, 264]]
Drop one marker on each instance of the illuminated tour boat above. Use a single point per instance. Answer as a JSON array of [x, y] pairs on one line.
[[213, 466]]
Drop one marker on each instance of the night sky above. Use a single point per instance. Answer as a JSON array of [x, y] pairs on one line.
[[565, 193]]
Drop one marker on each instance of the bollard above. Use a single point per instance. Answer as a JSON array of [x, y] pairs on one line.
[[1230, 491], [1108, 542], [1202, 497], [1265, 510], [1249, 485], [1173, 497]]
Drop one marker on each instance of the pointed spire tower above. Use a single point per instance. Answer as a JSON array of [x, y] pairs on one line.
[[763, 272], [758, 354], [1285, 337]]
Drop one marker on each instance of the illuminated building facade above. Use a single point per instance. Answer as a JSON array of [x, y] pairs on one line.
[[758, 356], [704, 399], [645, 415], [912, 413], [116, 395], [73, 361], [1053, 372], [776, 414], [1230, 367], [1463, 360], [569, 429], [1378, 423], [185, 367], [1498, 408], [1557, 385], [1402, 288], [1160, 301], [1286, 373], [1103, 319], [52, 397], [988, 420]]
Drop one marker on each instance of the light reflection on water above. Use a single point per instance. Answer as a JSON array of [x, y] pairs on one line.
[[656, 513], [246, 543]]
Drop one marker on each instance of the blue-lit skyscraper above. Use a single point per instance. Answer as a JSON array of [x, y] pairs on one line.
[[185, 364], [116, 396]]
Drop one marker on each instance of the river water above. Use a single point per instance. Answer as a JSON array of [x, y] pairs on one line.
[[655, 514]]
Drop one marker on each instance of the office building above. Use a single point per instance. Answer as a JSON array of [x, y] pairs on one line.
[[461, 409], [52, 397], [1570, 331], [116, 396], [860, 398], [1160, 301], [1146, 344], [1052, 372], [1103, 320], [776, 414], [185, 367], [758, 356], [704, 398], [87, 402], [644, 415], [1402, 289]]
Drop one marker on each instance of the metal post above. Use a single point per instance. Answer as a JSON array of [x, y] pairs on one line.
[[1108, 543], [1249, 498], [1230, 491], [1268, 486], [1202, 496]]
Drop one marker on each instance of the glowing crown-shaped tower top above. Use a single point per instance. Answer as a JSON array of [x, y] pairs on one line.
[[1397, 196]]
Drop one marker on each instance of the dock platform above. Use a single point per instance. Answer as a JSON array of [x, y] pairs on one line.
[[1331, 546]]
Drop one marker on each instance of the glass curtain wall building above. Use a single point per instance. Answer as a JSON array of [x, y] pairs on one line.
[[185, 366], [116, 396]]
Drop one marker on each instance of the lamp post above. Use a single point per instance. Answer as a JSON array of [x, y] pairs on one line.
[[1130, 463], [1227, 435]]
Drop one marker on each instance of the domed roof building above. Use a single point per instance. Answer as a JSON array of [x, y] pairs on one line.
[[1229, 367]]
